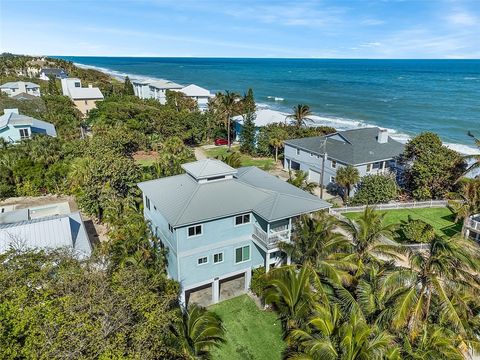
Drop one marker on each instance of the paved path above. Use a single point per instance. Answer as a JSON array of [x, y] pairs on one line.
[[200, 154]]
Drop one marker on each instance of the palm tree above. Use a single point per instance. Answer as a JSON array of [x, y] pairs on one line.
[[370, 238], [290, 292], [276, 140], [300, 115], [300, 180], [445, 274], [229, 102], [234, 159], [469, 204], [316, 242], [474, 158], [329, 334], [202, 330], [346, 177]]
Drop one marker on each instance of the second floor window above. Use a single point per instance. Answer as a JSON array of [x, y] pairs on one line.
[[202, 260], [242, 219], [334, 164], [195, 230], [242, 254], [24, 134], [218, 258]]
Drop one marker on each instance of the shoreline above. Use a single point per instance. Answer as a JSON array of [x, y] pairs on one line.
[[338, 123]]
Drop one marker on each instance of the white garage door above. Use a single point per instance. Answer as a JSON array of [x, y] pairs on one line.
[[313, 176]]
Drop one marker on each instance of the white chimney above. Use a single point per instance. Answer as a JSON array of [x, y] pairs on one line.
[[382, 136], [10, 111]]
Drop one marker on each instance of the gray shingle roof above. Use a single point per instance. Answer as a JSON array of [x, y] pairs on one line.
[[61, 231], [183, 201], [353, 147]]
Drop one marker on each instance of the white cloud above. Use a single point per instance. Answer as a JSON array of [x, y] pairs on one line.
[[462, 18]]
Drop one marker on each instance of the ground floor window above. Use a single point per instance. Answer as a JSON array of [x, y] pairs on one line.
[[242, 254], [24, 134]]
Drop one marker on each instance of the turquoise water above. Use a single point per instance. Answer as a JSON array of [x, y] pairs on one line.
[[406, 96]]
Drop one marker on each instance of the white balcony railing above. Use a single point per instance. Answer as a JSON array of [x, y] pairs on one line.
[[271, 239]]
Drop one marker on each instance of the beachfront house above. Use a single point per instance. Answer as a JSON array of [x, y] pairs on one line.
[[15, 126], [263, 117], [18, 87], [218, 223], [197, 93], [43, 227], [154, 90], [84, 98], [370, 150], [57, 73]]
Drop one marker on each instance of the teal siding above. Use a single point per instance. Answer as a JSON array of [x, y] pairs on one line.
[[12, 134]]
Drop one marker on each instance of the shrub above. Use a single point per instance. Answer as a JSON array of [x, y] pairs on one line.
[[258, 282], [376, 189], [417, 231]]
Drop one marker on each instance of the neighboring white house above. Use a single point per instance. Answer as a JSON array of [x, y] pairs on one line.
[[15, 127], [18, 87], [197, 93], [84, 98], [154, 90], [263, 117], [50, 226]]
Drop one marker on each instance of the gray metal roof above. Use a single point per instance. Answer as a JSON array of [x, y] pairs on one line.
[[16, 85], [353, 147], [14, 216], [182, 200], [63, 231], [208, 168], [12, 118]]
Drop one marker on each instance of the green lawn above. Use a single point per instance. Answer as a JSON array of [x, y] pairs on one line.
[[442, 219], [145, 162], [251, 333], [264, 163]]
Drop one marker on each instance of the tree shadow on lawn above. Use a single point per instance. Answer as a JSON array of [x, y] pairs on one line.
[[453, 229]]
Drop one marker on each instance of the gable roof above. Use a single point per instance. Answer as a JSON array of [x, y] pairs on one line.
[[12, 118], [61, 231], [182, 200], [357, 146], [264, 117], [17, 84], [195, 91], [24, 96]]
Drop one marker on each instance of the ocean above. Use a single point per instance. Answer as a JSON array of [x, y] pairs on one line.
[[404, 96]]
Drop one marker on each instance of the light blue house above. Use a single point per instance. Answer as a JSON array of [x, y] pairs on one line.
[[370, 150], [15, 127], [218, 223]]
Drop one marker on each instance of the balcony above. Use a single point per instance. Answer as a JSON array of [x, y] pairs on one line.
[[474, 223], [270, 240]]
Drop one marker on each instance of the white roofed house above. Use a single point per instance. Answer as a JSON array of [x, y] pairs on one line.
[[14, 88], [154, 90], [84, 98], [15, 126], [197, 93], [43, 228], [263, 117]]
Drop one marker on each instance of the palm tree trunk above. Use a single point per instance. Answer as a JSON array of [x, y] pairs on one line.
[[228, 131], [276, 154]]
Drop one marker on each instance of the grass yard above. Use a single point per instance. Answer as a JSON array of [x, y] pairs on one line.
[[250, 332], [264, 163], [442, 219]]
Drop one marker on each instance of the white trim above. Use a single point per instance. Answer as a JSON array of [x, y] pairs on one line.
[[196, 235], [223, 257], [235, 254], [203, 263], [214, 246], [243, 223]]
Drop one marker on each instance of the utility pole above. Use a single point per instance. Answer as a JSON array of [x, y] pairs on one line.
[[324, 158]]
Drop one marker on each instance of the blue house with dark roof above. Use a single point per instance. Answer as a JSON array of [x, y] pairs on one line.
[[218, 223], [370, 150]]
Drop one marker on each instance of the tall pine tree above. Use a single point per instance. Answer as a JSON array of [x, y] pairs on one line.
[[248, 134], [128, 87]]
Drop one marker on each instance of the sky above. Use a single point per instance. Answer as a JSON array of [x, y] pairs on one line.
[[227, 28]]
